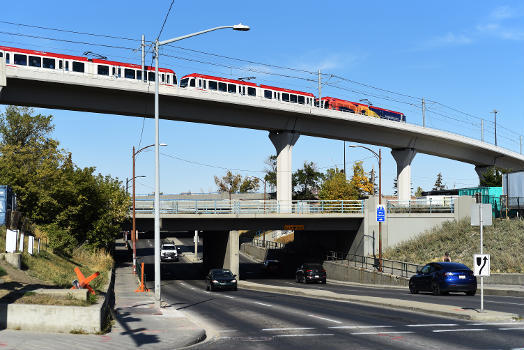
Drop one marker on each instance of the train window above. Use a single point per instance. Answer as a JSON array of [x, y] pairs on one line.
[[200, 83], [20, 60], [60, 64], [7, 58], [163, 77], [78, 67], [285, 97], [213, 85], [167, 78], [1, 54], [103, 70], [301, 100], [129, 73], [251, 91], [222, 87], [205, 84], [268, 94], [67, 65], [231, 88], [139, 74], [192, 82], [48, 63], [119, 72], [35, 61], [293, 98], [183, 82], [151, 76]]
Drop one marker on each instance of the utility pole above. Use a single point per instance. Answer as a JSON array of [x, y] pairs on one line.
[[482, 130], [345, 174], [143, 45], [520, 143], [319, 90], [495, 113], [423, 112]]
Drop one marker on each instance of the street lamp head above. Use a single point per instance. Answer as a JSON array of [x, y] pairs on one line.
[[163, 144], [241, 27]]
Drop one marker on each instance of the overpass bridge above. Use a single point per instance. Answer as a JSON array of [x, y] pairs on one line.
[[285, 122]]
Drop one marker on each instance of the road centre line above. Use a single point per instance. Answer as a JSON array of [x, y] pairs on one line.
[[304, 335], [497, 324], [325, 319], [512, 329], [393, 332], [357, 327], [459, 330], [259, 303], [287, 329], [502, 302], [432, 325], [228, 296]]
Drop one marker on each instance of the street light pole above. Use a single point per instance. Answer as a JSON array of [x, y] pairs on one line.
[[240, 27], [379, 158], [495, 113]]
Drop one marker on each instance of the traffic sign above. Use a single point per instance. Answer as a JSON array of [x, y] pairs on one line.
[[294, 227], [381, 213], [481, 265]]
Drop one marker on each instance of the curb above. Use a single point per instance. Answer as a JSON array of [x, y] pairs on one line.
[[439, 310]]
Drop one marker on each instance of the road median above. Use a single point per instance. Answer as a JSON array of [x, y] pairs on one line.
[[408, 305]]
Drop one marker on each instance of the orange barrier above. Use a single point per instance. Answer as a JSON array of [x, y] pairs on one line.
[[142, 287], [84, 282]]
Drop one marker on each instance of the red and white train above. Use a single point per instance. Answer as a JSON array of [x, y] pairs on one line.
[[118, 70]]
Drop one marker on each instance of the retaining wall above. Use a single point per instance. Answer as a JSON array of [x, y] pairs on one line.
[[343, 272], [258, 253]]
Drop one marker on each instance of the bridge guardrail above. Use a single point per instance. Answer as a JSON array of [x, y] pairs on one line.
[[445, 205], [267, 244], [190, 206]]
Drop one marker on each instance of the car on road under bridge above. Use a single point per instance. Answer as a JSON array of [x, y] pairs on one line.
[[311, 272], [221, 279]]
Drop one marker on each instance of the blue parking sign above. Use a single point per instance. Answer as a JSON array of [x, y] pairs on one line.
[[381, 213]]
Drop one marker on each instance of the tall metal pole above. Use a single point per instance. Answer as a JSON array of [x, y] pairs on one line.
[[319, 90], [143, 57], [157, 186], [133, 233], [481, 223], [380, 203], [495, 113], [482, 130], [423, 112], [520, 142], [345, 175], [195, 239]]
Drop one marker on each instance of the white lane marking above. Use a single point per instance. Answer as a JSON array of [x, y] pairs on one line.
[[358, 327], [259, 303], [304, 335], [432, 325], [459, 330], [325, 319], [496, 324], [501, 302], [511, 329], [286, 329], [228, 296], [365, 333]]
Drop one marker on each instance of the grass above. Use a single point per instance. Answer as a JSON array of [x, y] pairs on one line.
[[2, 272], [286, 239], [43, 299], [504, 241]]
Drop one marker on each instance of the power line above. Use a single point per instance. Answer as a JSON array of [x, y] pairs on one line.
[[165, 19]]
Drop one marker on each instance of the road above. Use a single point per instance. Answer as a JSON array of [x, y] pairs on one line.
[[258, 320]]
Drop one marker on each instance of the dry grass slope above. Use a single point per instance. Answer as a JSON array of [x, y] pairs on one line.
[[504, 241]]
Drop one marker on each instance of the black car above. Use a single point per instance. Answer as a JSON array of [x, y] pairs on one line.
[[311, 272], [442, 278], [221, 279], [272, 266]]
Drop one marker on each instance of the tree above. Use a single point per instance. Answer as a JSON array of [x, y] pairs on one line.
[[419, 192], [360, 182], [492, 177], [373, 180], [337, 187], [234, 183], [306, 182], [271, 172], [439, 185]]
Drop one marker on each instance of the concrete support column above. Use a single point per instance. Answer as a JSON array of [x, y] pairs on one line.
[[481, 169], [284, 142], [403, 157], [221, 250]]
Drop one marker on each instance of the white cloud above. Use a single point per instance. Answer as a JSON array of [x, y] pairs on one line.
[[450, 39], [503, 12]]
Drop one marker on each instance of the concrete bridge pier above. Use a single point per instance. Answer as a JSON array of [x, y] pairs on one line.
[[481, 169], [221, 250], [284, 142], [404, 157]]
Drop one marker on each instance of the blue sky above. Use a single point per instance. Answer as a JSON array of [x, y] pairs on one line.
[[467, 55]]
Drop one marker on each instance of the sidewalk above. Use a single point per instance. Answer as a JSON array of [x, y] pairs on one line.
[[138, 325]]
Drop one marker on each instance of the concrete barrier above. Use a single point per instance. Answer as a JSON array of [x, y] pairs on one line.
[[58, 318], [79, 294], [14, 259], [258, 253], [343, 272], [516, 279]]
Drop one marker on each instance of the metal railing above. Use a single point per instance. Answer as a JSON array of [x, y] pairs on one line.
[[444, 205], [267, 244], [394, 267], [189, 206]]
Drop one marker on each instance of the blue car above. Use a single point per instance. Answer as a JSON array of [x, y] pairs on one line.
[[442, 278]]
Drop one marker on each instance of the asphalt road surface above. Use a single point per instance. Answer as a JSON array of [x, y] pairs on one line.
[[258, 320]]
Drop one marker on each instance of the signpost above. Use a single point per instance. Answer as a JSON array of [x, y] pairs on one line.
[[479, 213]]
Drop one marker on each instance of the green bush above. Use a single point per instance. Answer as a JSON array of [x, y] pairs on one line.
[[60, 240]]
